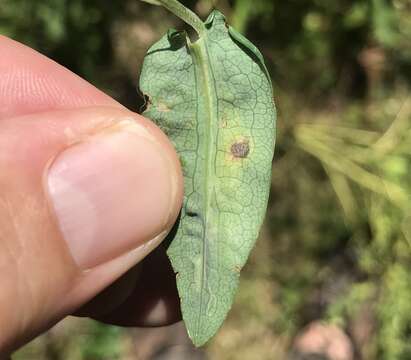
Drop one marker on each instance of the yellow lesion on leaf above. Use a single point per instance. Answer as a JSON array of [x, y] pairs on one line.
[[229, 120], [223, 122], [163, 107]]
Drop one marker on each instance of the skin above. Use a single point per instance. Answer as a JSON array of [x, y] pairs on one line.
[[41, 284]]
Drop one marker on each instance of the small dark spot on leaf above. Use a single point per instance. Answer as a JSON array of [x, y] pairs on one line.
[[191, 214], [240, 149]]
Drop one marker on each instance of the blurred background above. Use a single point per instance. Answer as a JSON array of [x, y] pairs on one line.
[[330, 277]]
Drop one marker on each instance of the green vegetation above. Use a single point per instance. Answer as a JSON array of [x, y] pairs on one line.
[[337, 242]]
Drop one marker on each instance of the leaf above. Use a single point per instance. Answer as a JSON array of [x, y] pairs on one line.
[[213, 98]]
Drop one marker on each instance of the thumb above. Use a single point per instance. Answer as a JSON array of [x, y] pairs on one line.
[[84, 195]]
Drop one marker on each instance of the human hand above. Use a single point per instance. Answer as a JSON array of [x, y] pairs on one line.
[[87, 190]]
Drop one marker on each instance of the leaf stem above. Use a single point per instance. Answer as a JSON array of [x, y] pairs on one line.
[[184, 14]]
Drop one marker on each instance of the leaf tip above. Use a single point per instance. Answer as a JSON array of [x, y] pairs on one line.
[[215, 15], [199, 340]]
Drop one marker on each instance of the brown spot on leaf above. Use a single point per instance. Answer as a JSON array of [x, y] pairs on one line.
[[240, 149]]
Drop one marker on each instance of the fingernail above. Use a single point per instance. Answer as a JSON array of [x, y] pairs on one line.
[[112, 193]]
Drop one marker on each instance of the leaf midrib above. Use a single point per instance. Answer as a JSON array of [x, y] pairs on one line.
[[202, 59]]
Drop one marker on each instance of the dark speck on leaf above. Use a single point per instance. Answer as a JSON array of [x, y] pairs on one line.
[[240, 149], [191, 214]]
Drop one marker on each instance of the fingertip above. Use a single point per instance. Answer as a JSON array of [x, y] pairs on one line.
[[113, 191]]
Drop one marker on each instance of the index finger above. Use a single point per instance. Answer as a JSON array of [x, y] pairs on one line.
[[30, 82]]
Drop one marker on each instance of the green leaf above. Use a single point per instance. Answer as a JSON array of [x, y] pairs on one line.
[[214, 100]]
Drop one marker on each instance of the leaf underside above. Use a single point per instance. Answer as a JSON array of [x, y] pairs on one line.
[[213, 98]]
